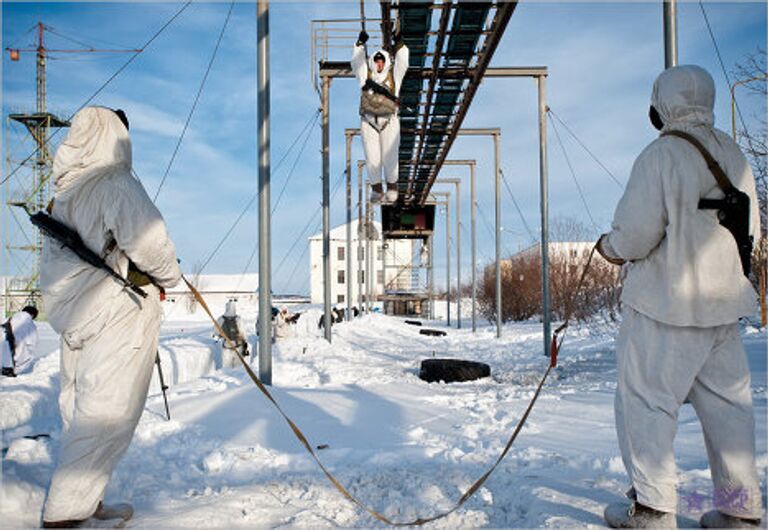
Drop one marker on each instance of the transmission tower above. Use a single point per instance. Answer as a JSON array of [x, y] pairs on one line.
[[29, 190]]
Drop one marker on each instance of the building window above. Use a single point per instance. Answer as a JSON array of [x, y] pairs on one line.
[[339, 276], [340, 299], [379, 253], [360, 253], [380, 276], [361, 276], [340, 253]]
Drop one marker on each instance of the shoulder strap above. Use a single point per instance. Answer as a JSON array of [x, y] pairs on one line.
[[722, 179]]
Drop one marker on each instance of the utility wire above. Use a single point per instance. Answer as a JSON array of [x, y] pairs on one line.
[[298, 238], [197, 99], [573, 174], [103, 86], [725, 74], [277, 166], [590, 153], [295, 163], [517, 206]]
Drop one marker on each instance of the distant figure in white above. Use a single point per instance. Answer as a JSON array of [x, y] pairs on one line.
[[20, 341], [380, 82], [685, 290], [232, 326], [109, 334], [283, 321]]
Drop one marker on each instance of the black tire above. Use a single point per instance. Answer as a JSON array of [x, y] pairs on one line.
[[413, 322], [432, 332], [452, 370]]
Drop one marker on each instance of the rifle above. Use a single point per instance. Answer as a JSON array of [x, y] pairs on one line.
[[71, 239]]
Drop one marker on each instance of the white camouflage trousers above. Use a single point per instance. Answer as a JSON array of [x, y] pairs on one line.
[[104, 388], [659, 367], [381, 146]]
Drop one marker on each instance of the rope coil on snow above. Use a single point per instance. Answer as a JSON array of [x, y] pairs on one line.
[[331, 478]]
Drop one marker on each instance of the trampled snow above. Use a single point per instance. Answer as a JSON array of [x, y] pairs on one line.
[[408, 448]]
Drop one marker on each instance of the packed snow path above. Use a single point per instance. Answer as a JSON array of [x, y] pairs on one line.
[[407, 447]]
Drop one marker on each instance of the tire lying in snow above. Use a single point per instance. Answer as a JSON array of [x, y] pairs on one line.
[[432, 332], [413, 322], [452, 370]]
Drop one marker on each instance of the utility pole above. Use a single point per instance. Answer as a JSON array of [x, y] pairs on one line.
[[670, 33], [265, 263]]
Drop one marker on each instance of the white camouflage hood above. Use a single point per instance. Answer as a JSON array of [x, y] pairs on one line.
[[684, 96], [97, 140]]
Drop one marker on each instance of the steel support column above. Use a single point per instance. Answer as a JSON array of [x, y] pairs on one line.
[[670, 33], [348, 172], [544, 198], [497, 191], [361, 227], [473, 230], [326, 210], [265, 255]]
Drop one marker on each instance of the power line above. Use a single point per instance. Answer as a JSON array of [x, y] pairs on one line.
[[517, 206], [725, 74], [103, 86], [590, 153], [293, 167], [197, 98], [573, 174]]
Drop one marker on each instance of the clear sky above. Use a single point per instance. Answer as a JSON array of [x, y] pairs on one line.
[[603, 58]]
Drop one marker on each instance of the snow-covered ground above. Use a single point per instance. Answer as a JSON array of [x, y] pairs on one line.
[[406, 447]]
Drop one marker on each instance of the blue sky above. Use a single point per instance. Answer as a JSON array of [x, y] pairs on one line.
[[603, 58]]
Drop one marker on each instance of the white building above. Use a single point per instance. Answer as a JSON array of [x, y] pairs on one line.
[[216, 289], [398, 258]]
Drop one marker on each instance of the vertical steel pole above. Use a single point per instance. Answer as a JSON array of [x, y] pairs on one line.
[[265, 230], [431, 276], [368, 252], [448, 257], [544, 194], [497, 188], [360, 235], [670, 33], [326, 210], [458, 254], [473, 229], [349, 278]]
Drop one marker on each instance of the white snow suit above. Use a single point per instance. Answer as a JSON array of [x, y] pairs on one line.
[[683, 295], [381, 136], [109, 335], [228, 356], [25, 336]]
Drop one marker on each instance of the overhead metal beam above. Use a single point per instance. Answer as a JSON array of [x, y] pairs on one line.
[[343, 69], [501, 19]]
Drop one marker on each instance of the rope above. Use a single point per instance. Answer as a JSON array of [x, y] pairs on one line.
[[197, 98], [583, 146], [573, 174], [331, 478], [103, 86], [556, 345]]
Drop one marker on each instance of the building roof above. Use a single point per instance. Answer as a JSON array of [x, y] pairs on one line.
[[339, 233]]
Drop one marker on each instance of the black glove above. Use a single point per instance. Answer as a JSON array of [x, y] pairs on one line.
[[362, 38]]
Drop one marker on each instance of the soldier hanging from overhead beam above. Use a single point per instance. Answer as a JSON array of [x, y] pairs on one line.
[[380, 79]]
